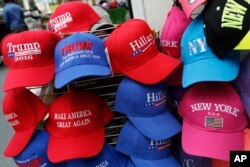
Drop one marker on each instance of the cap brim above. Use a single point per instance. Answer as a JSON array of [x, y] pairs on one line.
[[154, 70], [244, 43], [159, 127], [102, 25], [70, 74], [26, 77], [214, 69], [18, 142], [213, 144], [61, 149], [190, 9], [168, 161]]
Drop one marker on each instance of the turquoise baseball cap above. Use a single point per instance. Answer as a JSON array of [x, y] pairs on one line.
[[200, 62]]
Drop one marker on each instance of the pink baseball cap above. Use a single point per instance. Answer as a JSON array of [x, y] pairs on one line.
[[172, 31], [193, 8], [132, 51], [214, 120], [73, 16]]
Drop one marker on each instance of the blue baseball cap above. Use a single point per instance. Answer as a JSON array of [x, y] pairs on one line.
[[144, 151], [35, 153], [146, 107], [200, 62], [107, 157], [79, 55]]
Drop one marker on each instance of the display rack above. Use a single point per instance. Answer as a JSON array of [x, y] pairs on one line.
[[105, 87]]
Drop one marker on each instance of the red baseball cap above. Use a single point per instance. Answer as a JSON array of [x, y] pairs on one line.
[[214, 120], [29, 55], [76, 126], [73, 16], [132, 51], [24, 111]]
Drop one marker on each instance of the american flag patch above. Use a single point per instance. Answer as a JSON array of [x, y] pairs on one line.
[[213, 122]]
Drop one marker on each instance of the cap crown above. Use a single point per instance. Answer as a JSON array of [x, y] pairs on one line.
[[72, 17], [79, 49], [77, 114], [194, 45], [139, 100], [173, 29], [214, 107], [29, 49], [130, 45]]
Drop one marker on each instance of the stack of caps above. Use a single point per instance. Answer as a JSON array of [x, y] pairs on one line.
[[25, 111], [211, 109], [141, 96], [29, 56], [80, 54], [149, 120], [146, 108]]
